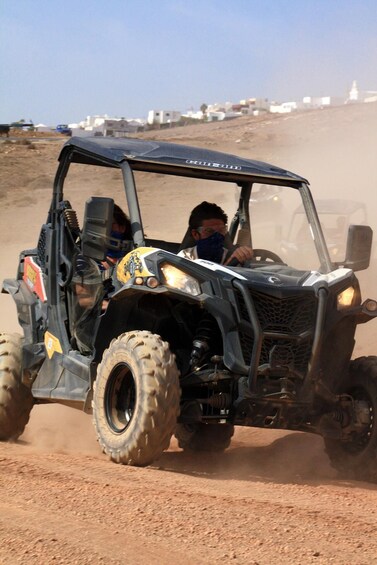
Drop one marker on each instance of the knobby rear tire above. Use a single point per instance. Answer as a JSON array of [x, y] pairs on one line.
[[357, 457], [16, 400]]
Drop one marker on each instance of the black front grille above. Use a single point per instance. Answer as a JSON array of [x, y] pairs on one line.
[[289, 316]]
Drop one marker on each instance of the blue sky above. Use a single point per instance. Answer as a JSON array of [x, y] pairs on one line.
[[63, 60]]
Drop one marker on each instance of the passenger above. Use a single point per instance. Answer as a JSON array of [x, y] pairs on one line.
[[208, 227], [88, 293], [92, 283], [120, 232]]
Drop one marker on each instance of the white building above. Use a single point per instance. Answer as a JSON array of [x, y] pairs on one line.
[[220, 116], [161, 117], [371, 96], [213, 116], [284, 108], [193, 114], [220, 107], [106, 127], [118, 128], [254, 106], [312, 102], [94, 121], [43, 128]]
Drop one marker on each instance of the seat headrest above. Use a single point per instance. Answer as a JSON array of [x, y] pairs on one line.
[[187, 241]]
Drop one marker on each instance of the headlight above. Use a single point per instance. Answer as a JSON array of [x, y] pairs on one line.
[[175, 278], [345, 298]]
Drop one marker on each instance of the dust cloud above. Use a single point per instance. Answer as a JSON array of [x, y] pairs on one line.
[[333, 148], [257, 454], [60, 429]]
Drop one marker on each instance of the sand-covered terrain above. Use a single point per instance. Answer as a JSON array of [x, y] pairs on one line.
[[272, 497]]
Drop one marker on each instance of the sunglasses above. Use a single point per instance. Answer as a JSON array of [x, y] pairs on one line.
[[211, 230]]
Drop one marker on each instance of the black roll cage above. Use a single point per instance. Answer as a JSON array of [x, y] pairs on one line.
[[241, 220]]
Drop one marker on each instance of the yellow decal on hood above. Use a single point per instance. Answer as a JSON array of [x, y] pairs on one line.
[[133, 264], [52, 345]]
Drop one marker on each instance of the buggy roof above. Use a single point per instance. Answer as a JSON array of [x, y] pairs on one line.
[[176, 159]]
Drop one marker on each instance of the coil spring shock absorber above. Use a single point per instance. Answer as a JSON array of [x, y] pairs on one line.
[[203, 339], [221, 401], [72, 221]]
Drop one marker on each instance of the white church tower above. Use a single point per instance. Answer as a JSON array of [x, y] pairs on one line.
[[354, 93]]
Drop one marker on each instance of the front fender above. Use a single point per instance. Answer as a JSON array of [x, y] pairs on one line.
[[133, 309], [29, 310], [10, 286]]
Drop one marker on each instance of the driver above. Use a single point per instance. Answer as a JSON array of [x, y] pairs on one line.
[[208, 228]]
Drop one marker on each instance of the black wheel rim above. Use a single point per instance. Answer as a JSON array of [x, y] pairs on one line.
[[120, 398]]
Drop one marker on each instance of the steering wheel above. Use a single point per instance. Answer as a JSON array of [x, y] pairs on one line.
[[265, 256], [260, 256]]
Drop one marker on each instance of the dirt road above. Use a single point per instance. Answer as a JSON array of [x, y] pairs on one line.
[[272, 497]]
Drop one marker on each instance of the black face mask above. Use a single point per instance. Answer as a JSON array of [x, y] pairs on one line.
[[211, 248], [116, 253]]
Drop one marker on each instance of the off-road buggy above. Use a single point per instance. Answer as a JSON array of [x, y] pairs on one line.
[[184, 347]]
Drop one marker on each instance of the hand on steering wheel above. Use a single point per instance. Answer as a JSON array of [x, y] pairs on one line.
[[239, 255]]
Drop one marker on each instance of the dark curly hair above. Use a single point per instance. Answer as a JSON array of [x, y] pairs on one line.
[[122, 219], [206, 211]]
